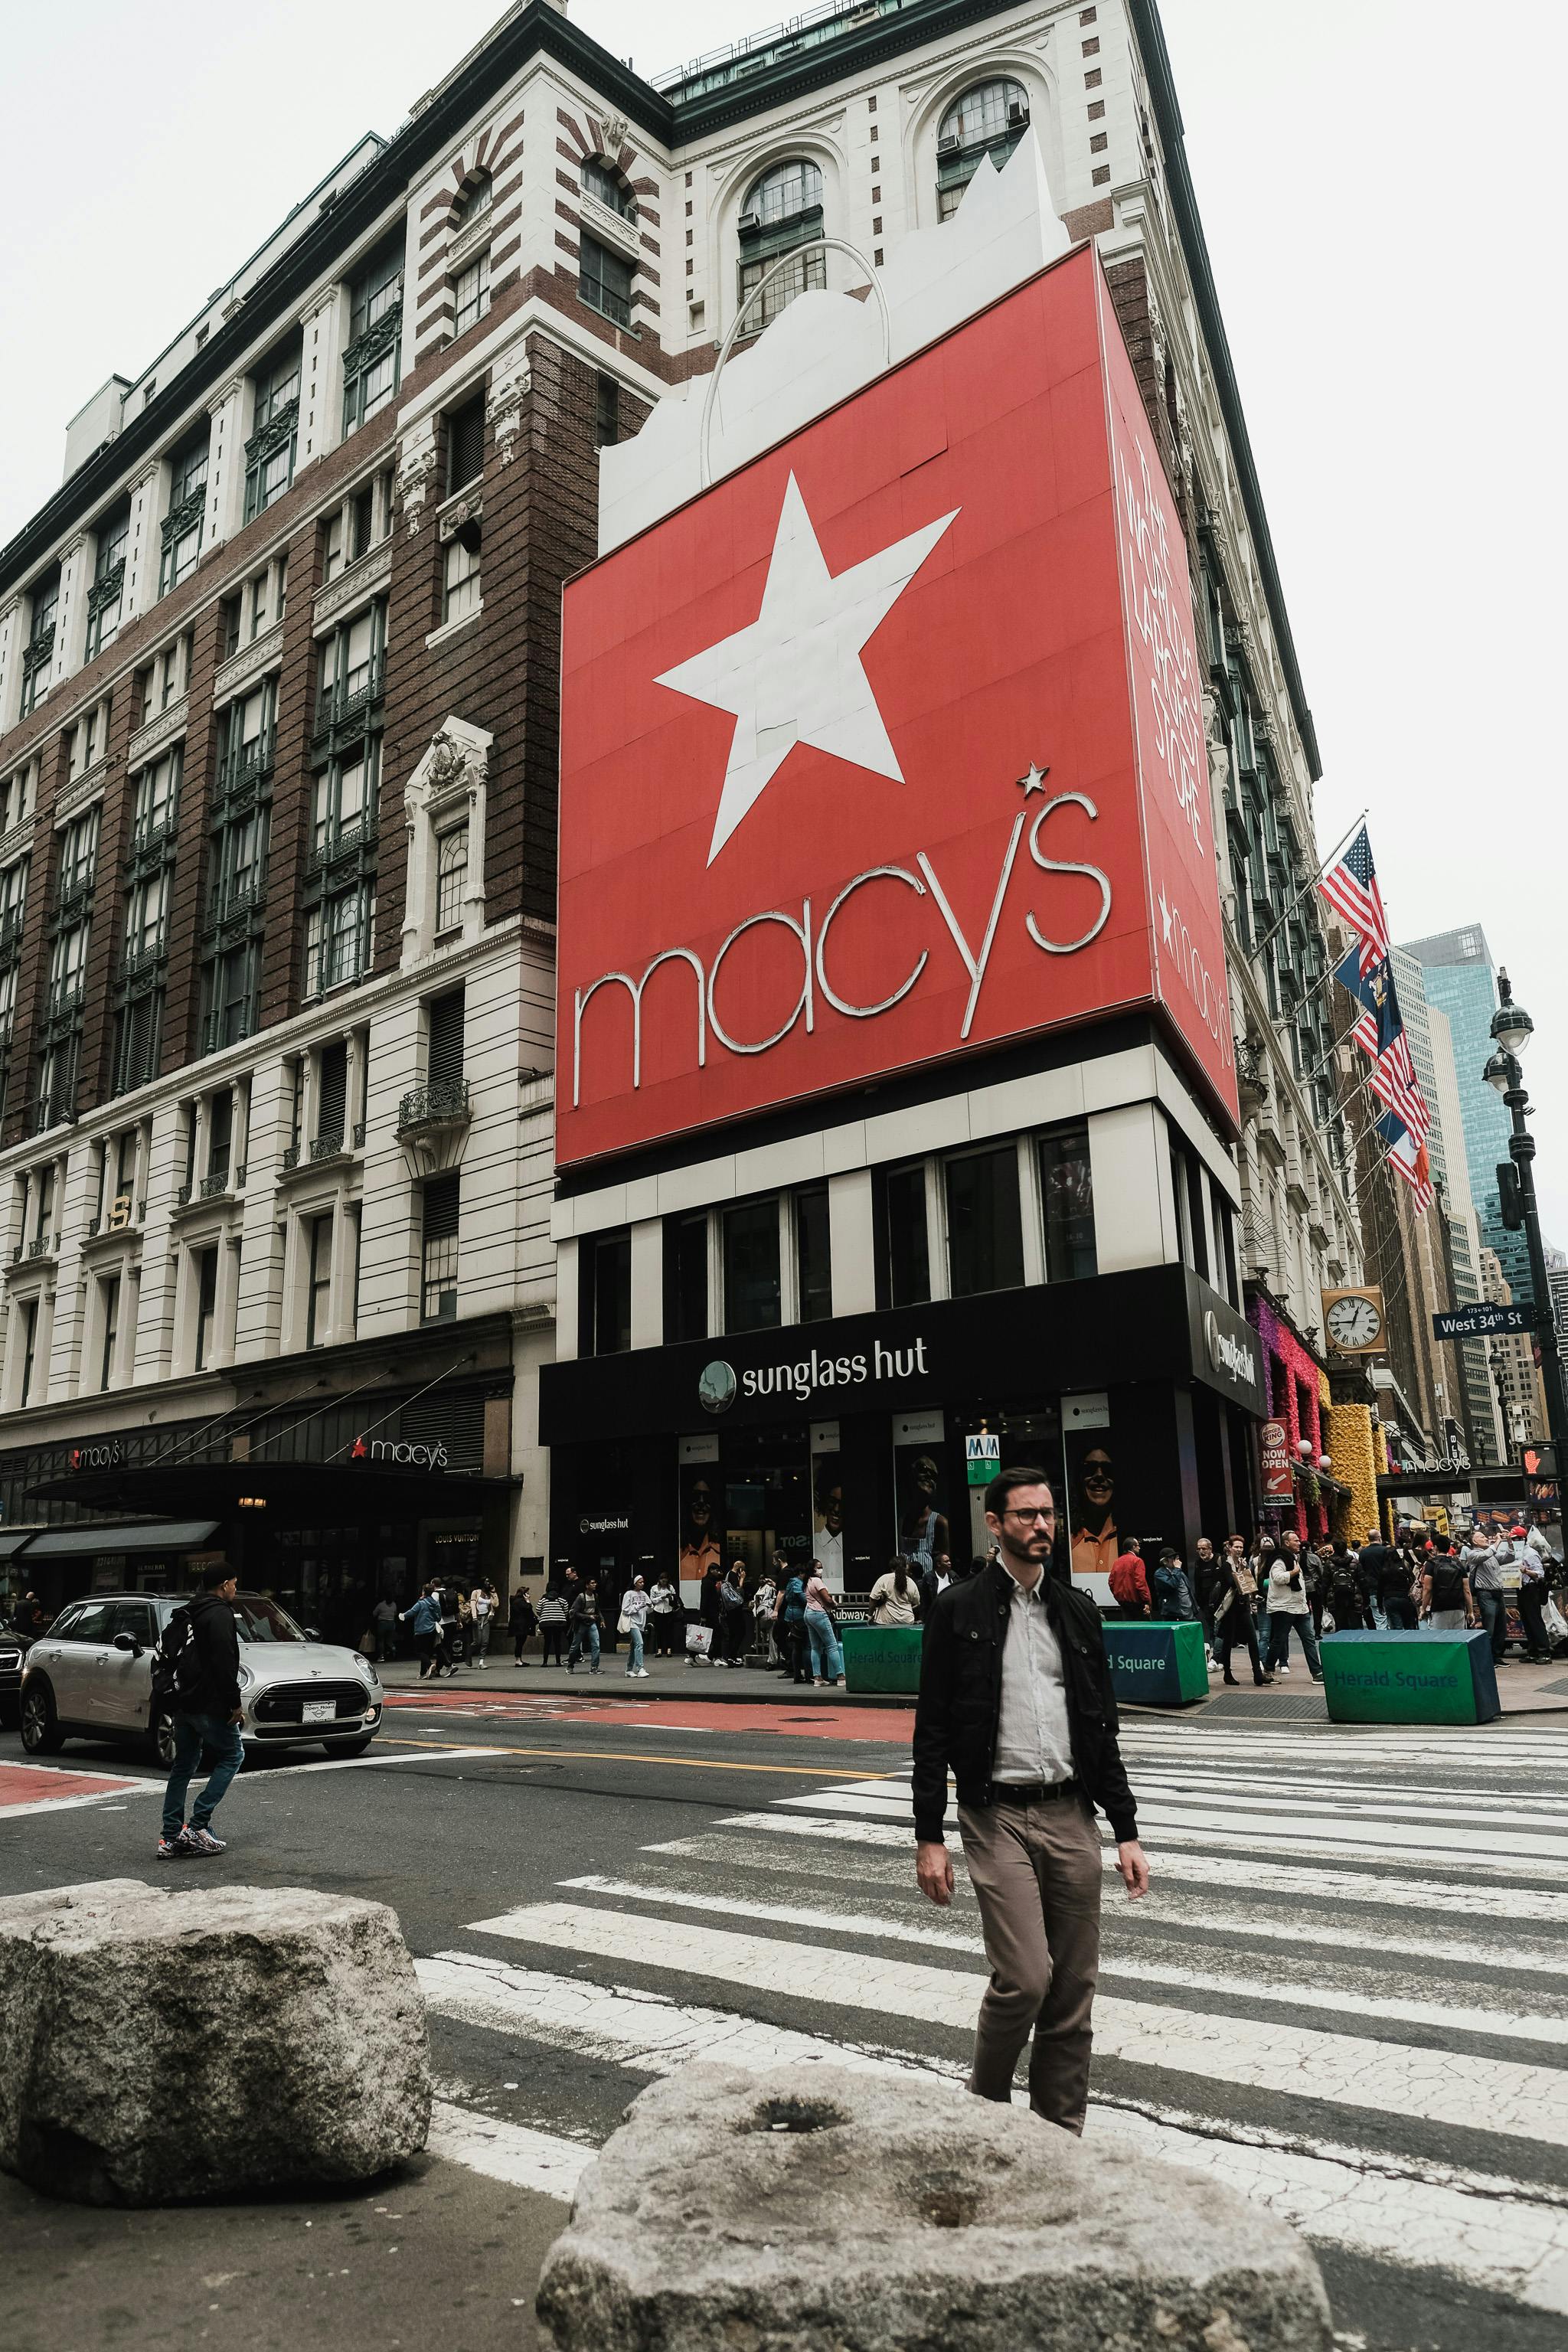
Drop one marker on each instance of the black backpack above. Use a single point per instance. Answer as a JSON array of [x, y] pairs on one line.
[[176, 1662]]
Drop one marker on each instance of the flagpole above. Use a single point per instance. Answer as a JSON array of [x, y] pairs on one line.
[[1310, 885]]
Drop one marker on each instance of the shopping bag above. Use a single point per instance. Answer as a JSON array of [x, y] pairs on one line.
[[698, 1640]]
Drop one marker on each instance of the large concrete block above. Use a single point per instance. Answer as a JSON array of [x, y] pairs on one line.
[[157, 2044], [849, 2213]]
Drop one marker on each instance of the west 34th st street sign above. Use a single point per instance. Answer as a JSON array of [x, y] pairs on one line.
[[1480, 1321], [798, 715]]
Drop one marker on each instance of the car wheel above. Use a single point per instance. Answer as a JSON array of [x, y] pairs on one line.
[[347, 1746], [41, 1733], [161, 1737]]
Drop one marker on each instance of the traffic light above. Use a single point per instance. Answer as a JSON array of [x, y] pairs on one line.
[[1508, 1202]]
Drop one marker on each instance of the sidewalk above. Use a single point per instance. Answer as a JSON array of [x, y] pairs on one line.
[[668, 1678], [433, 2253], [1523, 1690]]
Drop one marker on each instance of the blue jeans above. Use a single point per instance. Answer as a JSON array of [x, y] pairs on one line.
[[826, 1657], [584, 1637], [1279, 1623], [191, 1734], [634, 1650], [1493, 1607]]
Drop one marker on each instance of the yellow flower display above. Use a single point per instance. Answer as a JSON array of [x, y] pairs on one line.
[[1358, 1455]]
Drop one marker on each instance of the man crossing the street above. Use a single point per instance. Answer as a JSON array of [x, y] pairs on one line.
[[207, 1713], [1016, 1698]]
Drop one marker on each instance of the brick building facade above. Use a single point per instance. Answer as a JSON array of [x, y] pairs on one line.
[[279, 674]]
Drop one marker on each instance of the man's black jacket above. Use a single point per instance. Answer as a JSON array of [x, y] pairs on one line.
[[960, 1698], [215, 1690]]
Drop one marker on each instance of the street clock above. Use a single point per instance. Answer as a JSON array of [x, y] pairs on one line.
[[1353, 1320]]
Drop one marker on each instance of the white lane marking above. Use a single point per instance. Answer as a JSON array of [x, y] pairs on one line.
[[1205, 1867], [1330, 1841], [1429, 1814], [1492, 2095], [833, 1923], [1402, 1837], [1343, 2000], [1339, 2196], [645, 2030], [1355, 2198], [65, 1804], [353, 1763], [509, 2152]]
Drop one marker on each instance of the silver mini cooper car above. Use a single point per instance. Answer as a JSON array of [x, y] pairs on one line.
[[90, 1678]]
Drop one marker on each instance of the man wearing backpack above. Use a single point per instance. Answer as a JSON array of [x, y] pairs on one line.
[[1447, 1601], [196, 1675]]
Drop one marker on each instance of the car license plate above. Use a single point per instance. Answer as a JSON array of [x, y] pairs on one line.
[[318, 1710]]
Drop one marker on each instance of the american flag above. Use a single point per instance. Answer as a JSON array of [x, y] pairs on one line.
[[1351, 890], [1395, 1083], [1358, 985]]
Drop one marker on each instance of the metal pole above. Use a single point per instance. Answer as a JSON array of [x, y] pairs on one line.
[[1522, 1150]]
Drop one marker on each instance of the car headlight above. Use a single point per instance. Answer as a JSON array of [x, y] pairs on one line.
[[246, 1678], [367, 1670]]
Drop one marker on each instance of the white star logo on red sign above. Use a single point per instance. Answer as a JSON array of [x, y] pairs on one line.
[[795, 675]]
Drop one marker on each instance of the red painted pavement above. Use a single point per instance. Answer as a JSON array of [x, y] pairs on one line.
[[870, 1723], [32, 1785]]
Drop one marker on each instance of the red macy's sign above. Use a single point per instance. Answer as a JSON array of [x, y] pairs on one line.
[[890, 746]]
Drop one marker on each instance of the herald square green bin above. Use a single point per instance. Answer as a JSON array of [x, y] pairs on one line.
[[882, 1657], [1422, 1677], [1162, 1663]]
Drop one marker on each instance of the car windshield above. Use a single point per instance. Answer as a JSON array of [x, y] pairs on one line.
[[259, 1619]]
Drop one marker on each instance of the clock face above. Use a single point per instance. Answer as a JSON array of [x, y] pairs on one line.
[[1354, 1323]]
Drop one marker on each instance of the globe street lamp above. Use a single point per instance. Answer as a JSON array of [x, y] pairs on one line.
[[1512, 1029]]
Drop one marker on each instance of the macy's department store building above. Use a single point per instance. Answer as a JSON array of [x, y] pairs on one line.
[[895, 1087]]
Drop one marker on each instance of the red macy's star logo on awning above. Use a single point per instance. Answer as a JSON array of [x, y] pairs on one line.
[[358, 1451]]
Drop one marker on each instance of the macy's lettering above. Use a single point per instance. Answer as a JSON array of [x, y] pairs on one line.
[[398, 1449], [815, 981]]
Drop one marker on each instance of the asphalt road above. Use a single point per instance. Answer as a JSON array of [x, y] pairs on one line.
[[1344, 1996]]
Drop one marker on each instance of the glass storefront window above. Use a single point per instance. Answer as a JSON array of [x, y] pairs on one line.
[[984, 1227], [908, 1254], [813, 1264], [751, 1267], [1067, 1201], [686, 1278]]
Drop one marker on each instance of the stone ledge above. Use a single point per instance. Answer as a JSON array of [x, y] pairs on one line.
[[157, 2045], [816, 2209]]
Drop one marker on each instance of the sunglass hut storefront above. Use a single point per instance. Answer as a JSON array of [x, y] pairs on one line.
[[848, 1440]]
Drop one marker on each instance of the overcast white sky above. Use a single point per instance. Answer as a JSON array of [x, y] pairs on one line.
[[1379, 202]]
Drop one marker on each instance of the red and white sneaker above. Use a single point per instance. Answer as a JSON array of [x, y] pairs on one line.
[[203, 1842]]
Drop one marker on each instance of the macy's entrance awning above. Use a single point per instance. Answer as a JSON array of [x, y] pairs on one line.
[[286, 1493]]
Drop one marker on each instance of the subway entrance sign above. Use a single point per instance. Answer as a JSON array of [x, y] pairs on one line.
[[1161, 1665], [1409, 1678]]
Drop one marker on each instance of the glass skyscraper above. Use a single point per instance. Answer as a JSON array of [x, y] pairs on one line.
[[1460, 978]]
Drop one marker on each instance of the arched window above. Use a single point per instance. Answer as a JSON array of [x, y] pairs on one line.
[[602, 181], [783, 209], [989, 118], [473, 200]]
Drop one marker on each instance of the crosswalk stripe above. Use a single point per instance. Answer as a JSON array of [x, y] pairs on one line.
[[523, 2158], [1520, 2248], [1403, 1836], [1495, 2096], [647, 2032], [1338, 2196], [1252, 1918], [1509, 2025], [1205, 1867]]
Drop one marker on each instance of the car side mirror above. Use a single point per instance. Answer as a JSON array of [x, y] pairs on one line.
[[312, 1633], [129, 1644]]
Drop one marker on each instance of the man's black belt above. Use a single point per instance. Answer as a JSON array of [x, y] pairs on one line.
[[1031, 1793]]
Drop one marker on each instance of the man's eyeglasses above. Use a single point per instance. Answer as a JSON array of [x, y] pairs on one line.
[[1030, 1514]]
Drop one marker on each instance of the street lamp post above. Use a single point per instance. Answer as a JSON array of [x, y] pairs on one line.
[[1512, 1029]]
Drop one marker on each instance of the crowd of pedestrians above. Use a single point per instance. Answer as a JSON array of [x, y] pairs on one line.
[[1260, 1595]]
